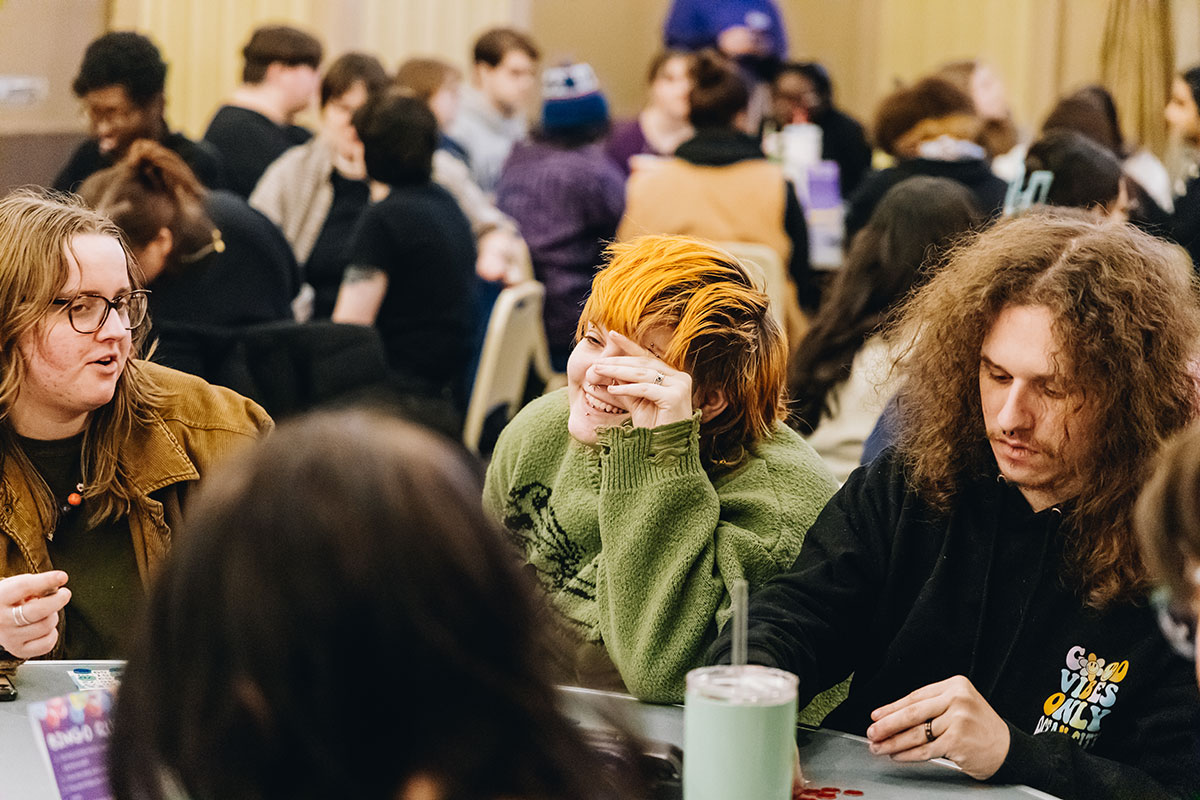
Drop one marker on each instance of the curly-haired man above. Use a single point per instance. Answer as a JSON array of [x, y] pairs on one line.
[[981, 579]]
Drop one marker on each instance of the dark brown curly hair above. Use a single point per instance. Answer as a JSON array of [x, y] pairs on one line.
[[1127, 322]]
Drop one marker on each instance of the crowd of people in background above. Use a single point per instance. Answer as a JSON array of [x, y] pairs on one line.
[[926, 459]]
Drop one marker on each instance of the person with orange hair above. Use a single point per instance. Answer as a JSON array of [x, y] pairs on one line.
[[662, 472]]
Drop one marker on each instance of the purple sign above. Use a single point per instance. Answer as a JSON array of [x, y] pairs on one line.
[[73, 732]]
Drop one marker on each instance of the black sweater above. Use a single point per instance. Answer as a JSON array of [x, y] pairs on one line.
[[903, 596]]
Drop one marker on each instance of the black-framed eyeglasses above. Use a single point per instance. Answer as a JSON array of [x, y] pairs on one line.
[[89, 312]]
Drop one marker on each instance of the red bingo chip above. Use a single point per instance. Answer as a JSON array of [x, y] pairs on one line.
[[852, 793]]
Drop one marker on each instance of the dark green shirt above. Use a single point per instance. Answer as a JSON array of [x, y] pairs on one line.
[[106, 590]]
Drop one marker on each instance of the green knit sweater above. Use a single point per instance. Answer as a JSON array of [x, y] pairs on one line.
[[633, 540]]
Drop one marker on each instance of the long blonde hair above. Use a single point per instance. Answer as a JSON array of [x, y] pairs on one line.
[[36, 231]]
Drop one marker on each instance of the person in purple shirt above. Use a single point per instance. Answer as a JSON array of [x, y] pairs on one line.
[[566, 197], [663, 124], [735, 27]]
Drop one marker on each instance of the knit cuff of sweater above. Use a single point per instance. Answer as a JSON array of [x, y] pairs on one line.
[[634, 457]]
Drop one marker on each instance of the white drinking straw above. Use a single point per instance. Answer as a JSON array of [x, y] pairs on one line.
[[740, 592]]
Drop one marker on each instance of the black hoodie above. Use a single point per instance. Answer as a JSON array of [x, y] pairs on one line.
[[903, 596]]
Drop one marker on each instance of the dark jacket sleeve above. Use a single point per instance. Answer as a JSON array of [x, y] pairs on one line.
[[807, 619], [1185, 222]]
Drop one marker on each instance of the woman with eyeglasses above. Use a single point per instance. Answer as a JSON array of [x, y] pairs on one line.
[[1167, 519], [98, 450]]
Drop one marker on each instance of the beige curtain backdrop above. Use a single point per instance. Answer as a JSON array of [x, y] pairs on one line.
[[1137, 62], [202, 39]]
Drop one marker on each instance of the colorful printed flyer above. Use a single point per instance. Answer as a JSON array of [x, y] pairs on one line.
[[72, 732]]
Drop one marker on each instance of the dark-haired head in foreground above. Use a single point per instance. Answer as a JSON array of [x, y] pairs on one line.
[[341, 620]]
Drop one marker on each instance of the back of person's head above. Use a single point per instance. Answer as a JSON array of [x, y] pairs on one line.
[[122, 58], [493, 45], [425, 76], [574, 110], [906, 237], [1085, 175], [724, 336], [37, 230], [341, 616], [150, 189], [278, 44], [719, 92], [1092, 112], [927, 109], [1167, 516], [350, 69], [1126, 323], [399, 135]]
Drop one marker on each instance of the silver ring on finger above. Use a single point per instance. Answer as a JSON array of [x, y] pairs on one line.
[[18, 614], [929, 737], [658, 378]]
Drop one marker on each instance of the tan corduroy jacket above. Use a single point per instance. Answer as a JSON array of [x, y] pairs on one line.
[[198, 426]]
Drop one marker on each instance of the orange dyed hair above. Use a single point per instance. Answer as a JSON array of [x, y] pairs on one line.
[[724, 335]]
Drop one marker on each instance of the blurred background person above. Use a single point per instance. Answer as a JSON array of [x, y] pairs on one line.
[[279, 79], [1183, 123], [342, 530], [841, 378], [1084, 175], [566, 196], [1000, 136], [1092, 112], [412, 256], [931, 128], [439, 85], [720, 186], [210, 259], [662, 124], [121, 81], [492, 116], [315, 192], [803, 92], [1167, 521]]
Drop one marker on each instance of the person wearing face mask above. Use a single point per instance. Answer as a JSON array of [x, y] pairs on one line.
[[98, 449], [663, 471], [255, 127], [120, 83], [663, 124], [315, 192]]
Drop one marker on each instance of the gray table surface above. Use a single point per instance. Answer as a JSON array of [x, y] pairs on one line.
[[829, 758], [24, 775]]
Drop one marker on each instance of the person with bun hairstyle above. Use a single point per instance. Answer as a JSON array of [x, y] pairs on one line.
[[663, 471], [99, 450], [210, 258], [720, 185]]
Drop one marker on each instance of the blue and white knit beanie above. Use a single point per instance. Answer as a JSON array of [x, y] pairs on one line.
[[571, 98]]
